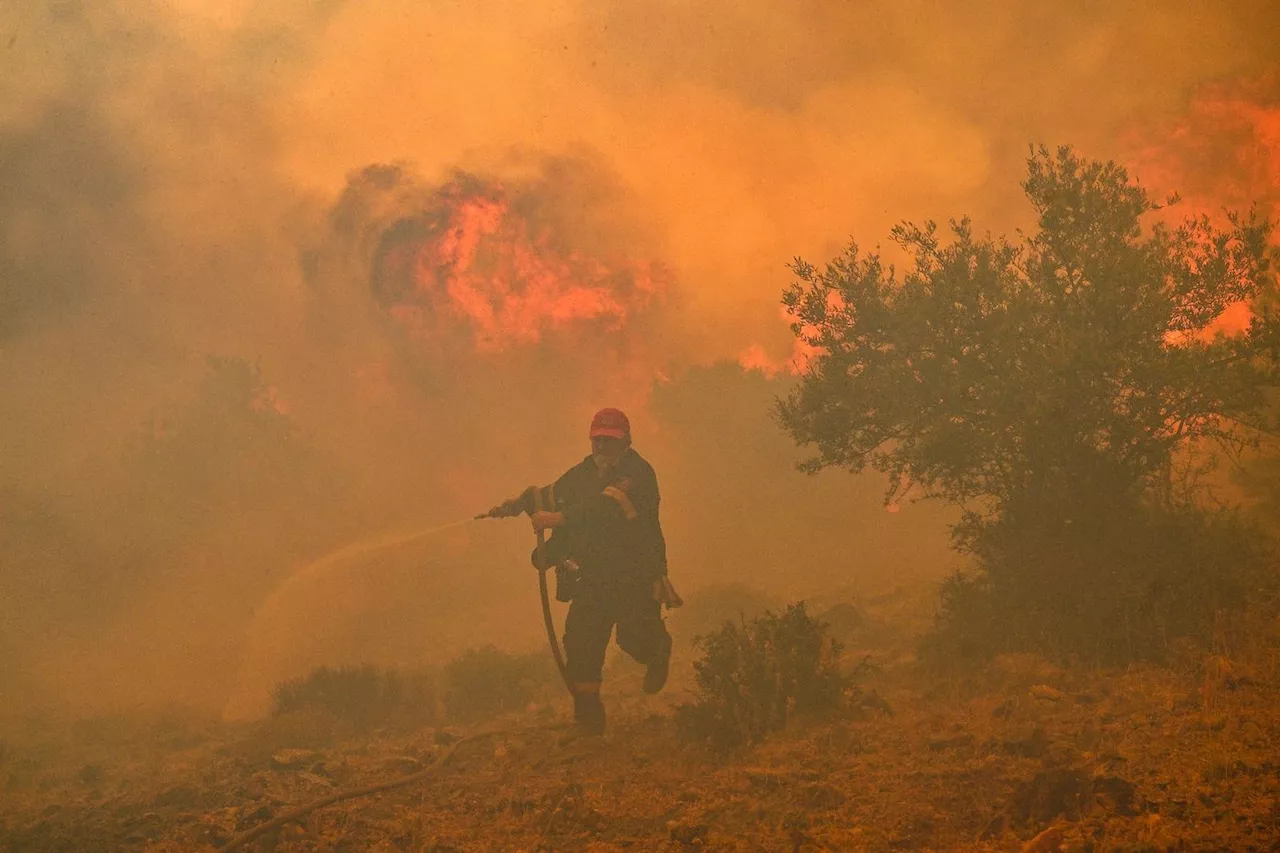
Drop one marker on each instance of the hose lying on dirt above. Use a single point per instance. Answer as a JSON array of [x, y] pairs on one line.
[[350, 794]]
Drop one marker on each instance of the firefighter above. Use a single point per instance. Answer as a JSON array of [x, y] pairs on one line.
[[611, 559]]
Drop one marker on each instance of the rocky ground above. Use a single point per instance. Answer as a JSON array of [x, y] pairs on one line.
[[1017, 756]]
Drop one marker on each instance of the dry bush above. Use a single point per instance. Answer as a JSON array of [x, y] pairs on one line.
[[362, 697], [755, 675], [487, 681], [1104, 588]]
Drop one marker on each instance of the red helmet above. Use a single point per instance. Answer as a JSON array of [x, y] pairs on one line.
[[610, 422]]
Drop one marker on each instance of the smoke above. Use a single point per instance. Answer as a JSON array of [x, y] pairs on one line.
[[275, 278]]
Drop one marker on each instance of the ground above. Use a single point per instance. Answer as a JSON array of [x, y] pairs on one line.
[[1014, 755]]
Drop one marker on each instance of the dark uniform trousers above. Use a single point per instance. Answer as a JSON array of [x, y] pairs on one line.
[[591, 620]]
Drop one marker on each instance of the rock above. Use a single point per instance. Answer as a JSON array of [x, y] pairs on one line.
[[291, 759]]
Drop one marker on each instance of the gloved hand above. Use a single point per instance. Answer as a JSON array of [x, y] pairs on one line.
[[521, 503], [537, 563], [506, 509]]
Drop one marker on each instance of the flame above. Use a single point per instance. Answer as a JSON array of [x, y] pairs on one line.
[[1222, 152], [795, 363], [754, 357], [480, 258]]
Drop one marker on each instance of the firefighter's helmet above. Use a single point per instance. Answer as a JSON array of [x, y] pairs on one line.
[[610, 422]]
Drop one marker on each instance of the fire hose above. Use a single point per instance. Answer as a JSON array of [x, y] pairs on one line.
[[532, 501], [543, 565]]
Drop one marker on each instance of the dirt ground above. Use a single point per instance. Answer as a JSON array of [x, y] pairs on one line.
[[1020, 755]]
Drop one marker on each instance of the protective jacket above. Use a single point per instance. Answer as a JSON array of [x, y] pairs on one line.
[[611, 528]]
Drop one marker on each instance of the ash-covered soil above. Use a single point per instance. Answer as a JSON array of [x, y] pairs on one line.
[[1019, 755]]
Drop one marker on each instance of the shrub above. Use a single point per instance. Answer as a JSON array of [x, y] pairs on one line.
[[756, 675], [364, 696], [1102, 588], [487, 681]]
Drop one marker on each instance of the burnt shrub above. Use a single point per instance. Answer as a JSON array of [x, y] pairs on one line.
[[487, 681], [362, 696], [755, 675]]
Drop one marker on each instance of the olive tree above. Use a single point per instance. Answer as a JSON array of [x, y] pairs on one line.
[[1048, 386]]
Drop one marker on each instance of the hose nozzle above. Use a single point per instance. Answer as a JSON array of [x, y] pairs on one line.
[[506, 509]]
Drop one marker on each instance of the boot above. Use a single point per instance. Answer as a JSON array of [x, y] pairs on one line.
[[588, 714], [655, 676]]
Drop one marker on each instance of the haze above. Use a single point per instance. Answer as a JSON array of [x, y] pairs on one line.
[[209, 384]]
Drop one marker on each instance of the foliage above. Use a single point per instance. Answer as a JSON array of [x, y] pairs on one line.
[[1107, 588], [487, 681], [1048, 387], [995, 372], [478, 683], [756, 675], [364, 696]]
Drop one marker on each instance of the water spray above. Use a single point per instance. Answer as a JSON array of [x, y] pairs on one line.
[[530, 501], [317, 569]]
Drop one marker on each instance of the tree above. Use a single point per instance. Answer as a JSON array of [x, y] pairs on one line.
[[1047, 386]]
